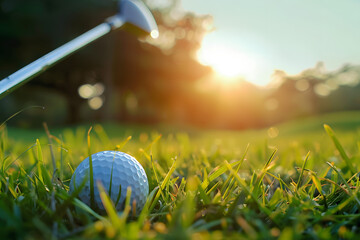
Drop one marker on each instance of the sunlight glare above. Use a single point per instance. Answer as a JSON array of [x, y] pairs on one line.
[[228, 63], [154, 34]]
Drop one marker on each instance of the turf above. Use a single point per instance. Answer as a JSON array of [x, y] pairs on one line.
[[296, 180]]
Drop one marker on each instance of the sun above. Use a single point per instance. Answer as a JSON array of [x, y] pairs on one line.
[[228, 63]]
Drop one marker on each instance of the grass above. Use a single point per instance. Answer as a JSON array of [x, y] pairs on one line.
[[293, 181]]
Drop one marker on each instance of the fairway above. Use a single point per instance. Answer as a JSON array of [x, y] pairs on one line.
[[297, 180]]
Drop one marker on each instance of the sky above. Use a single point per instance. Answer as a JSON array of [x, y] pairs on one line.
[[289, 35]]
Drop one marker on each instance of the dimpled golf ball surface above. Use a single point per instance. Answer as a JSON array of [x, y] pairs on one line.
[[125, 171]]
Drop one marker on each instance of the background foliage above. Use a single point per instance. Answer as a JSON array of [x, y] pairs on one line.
[[149, 81]]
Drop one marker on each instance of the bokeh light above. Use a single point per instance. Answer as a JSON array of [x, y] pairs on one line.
[[92, 93], [95, 103], [273, 132], [322, 89], [86, 91]]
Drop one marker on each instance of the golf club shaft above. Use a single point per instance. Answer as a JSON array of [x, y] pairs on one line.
[[7, 85]]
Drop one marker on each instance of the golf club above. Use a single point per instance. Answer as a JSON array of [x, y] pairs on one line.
[[133, 16]]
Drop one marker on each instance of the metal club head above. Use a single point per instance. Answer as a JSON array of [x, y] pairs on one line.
[[137, 18]]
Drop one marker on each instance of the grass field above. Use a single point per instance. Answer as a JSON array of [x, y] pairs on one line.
[[298, 180]]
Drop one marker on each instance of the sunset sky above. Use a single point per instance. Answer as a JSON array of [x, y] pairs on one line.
[[255, 37]]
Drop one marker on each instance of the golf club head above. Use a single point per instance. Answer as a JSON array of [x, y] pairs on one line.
[[137, 18]]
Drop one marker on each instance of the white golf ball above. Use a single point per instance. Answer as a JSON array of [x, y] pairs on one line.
[[116, 167]]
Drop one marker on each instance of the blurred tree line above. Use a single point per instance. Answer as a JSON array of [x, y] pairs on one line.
[[314, 91], [119, 78]]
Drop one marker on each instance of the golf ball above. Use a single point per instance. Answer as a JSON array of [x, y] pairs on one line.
[[117, 168]]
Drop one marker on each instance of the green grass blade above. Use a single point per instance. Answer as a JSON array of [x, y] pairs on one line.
[[43, 173], [317, 183], [104, 138], [127, 207], [339, 147], [92, 197], [344, 181], [50, 147], [39, 158], [203, 195], [21, 155], [163, 184], [145, 211], [118, 197], [213, 188], [123, 143], [153, 142], [265, 169], [243, 185], [86, 208], [302, 170], [17, 113], [217, 172], [108, 205], [228, 185], [111, 175], [61, 158]]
